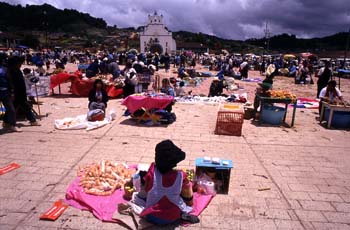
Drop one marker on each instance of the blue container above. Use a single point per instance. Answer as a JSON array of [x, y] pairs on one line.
[[341, 119], [272, 114], [2, 112]]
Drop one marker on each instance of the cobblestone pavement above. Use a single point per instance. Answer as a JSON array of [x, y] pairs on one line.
[[305, 167]]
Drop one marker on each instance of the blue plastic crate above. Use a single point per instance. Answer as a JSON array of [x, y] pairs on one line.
[[273, 114], [341, 119]]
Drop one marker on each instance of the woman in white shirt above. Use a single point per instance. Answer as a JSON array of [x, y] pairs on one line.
[[330, 93]]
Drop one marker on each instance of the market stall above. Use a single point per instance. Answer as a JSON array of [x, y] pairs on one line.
[[106, 187], [153, 108], [82, 86], [147, 101], [343, 119], [276, 96]]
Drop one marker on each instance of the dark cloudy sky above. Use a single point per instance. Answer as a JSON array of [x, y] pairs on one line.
[[233, 19]]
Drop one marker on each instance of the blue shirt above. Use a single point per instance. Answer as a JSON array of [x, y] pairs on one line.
[[4, 85], [169, 91]]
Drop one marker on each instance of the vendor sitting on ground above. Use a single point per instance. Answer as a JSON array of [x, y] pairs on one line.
[[98, 97], [93, 69], [40, 69], [166, 188], [167, 88], [330, 93], [180, 91]]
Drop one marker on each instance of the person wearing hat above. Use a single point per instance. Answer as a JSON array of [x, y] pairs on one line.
[[163, 184], [261, 91], [243, 69]]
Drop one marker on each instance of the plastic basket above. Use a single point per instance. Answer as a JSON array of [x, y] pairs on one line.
[[229, 123], [273, 114]]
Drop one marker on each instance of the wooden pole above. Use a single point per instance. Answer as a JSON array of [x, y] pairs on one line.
[[37, 100]]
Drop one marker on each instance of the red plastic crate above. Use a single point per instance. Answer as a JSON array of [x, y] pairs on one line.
[[229, 123]]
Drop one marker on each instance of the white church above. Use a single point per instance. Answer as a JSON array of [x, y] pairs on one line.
[[155, 36]]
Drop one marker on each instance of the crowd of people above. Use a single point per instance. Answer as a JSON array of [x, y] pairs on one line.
[[125, 67]]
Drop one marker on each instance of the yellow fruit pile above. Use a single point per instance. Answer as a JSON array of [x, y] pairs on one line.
[[282, 94]]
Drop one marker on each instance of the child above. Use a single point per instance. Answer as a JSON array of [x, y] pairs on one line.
[[180, 92]]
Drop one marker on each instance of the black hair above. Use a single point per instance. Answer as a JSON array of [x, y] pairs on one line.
[[182, 83], [332, 83], [13, 61], [98, 81], [26, 71]]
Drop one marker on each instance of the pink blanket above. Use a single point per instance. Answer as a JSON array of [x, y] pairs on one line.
[[135, 102], [103, 207]]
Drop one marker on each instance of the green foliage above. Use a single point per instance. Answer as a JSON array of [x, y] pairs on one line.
[[30, 41], [45, 17]]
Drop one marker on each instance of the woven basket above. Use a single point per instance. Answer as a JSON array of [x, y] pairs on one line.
[[229, 123]]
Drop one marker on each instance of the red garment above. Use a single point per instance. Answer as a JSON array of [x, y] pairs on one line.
[[168, 178], [60, 78]]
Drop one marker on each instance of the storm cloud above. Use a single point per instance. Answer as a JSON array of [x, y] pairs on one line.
[[231, 19]]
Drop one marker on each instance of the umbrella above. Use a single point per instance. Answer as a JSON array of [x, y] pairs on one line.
[[133, 51], [22, 47], [224, 51], [306, 55], [289, 56]]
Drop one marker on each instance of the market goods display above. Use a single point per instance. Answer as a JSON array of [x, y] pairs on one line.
[[104, 178], [189, 174], [282, 94], [337, 102], [104, 78]]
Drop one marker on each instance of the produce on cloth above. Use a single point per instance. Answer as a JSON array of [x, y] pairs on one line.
[[104, 178]]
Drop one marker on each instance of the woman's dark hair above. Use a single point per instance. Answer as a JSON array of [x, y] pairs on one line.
[[332, 83], [173, 80], [13, 61], [98, 81], [128, 65], [166, 81]]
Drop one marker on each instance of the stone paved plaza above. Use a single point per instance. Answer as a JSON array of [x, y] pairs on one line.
[[305, 167]]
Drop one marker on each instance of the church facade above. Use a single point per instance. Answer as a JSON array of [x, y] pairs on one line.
[[155, 37]]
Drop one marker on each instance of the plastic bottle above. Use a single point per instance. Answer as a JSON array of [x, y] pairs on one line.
[[136, 180]]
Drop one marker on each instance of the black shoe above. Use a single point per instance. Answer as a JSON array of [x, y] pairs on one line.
[[189, 218]]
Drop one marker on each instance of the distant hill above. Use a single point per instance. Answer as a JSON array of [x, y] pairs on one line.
[[290, 43], [70, 28], [33, 17]]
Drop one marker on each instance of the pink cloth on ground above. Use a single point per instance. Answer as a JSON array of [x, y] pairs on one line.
[[103, 207], [135, 102]]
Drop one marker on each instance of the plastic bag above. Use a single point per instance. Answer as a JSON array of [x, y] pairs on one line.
[[96, 115], [205, 185]]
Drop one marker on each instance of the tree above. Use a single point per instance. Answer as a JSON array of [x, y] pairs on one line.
[[31, 41]]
